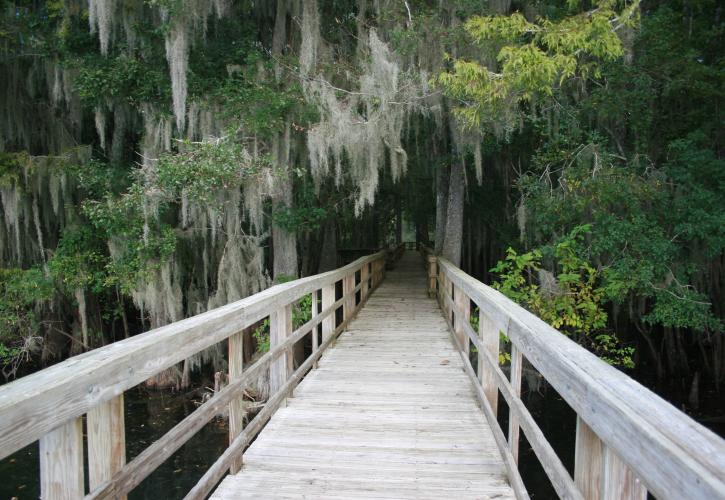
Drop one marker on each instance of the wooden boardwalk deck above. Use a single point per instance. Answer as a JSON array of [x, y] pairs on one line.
[[389, 413]]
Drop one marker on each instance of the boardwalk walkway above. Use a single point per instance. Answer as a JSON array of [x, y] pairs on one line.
[[389, 413]]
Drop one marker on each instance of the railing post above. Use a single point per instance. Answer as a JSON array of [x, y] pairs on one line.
[[328, 299], [462, 315], [364, 276], [61, 462], [280, 326], [516, 367], [599, 473], [432, 275], [488, 334], [236, 406], [348, 285], [106, 441], [315, 329]]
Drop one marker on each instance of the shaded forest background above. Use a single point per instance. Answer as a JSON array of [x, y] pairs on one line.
[[162, 157]]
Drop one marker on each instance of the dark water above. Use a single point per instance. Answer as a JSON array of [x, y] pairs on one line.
[[149, 415]]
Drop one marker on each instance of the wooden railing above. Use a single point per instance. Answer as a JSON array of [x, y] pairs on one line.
[[628, 440], [49, 405]]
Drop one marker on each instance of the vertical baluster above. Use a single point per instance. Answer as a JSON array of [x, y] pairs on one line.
[[236, 407], [61, 462], [432, 274], [280, 326], [463, 315], [599, 473], [364, 276], [516, 367], [106, 441], [315, 329], [488, 333], [328, 299], [348, 287]]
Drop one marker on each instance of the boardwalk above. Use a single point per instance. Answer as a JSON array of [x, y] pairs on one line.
[[389, 413]]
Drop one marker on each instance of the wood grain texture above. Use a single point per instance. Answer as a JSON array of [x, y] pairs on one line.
[[61, 462], [34, 405], [280, 327], [236, 406], [387, 414], [488, 341], [516, 367], [148, 460], [106, 441], [673, 455], [599, 473]]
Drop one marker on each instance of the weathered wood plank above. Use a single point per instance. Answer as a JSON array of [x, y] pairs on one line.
[[61, 462], [369, 424], [489, 341], [280, 327], [236, 406], [516, 367], [34, 405], [106, 441], [673, 455], [599, 473], [148, 460]]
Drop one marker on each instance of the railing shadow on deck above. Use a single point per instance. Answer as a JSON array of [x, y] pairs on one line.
[[628, 440], [49, 405]]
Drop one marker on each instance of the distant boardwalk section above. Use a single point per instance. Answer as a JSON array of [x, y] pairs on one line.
[[389, 413]]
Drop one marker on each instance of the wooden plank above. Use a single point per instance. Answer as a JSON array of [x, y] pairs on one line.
[[61, 462], [364, 277], [316, 308], [599, 473], [280, 327], [555, 470], [672, 454], [348, 291], [489, 341], [36, 404], [153, 456], [432, 275], [236, 406], [368, 424], [328, 298], [588, 457], [106, 441], [462, 318], [516, 367], [221, 466]]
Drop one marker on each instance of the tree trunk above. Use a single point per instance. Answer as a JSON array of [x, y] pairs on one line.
[[453, 239], [284, 242], [328, 254], [442, 185]]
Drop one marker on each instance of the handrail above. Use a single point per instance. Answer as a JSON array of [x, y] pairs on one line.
[[628, 438], [48, 405]]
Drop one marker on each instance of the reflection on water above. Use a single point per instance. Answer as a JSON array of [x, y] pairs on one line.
[[149, 415]]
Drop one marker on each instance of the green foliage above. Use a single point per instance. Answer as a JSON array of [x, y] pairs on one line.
[[302, 311], [299, 218], [261, 336], [21, 292], [533, 58], [203, 169], [80, 260], [120, 78], [573, 305], [645, 222]]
